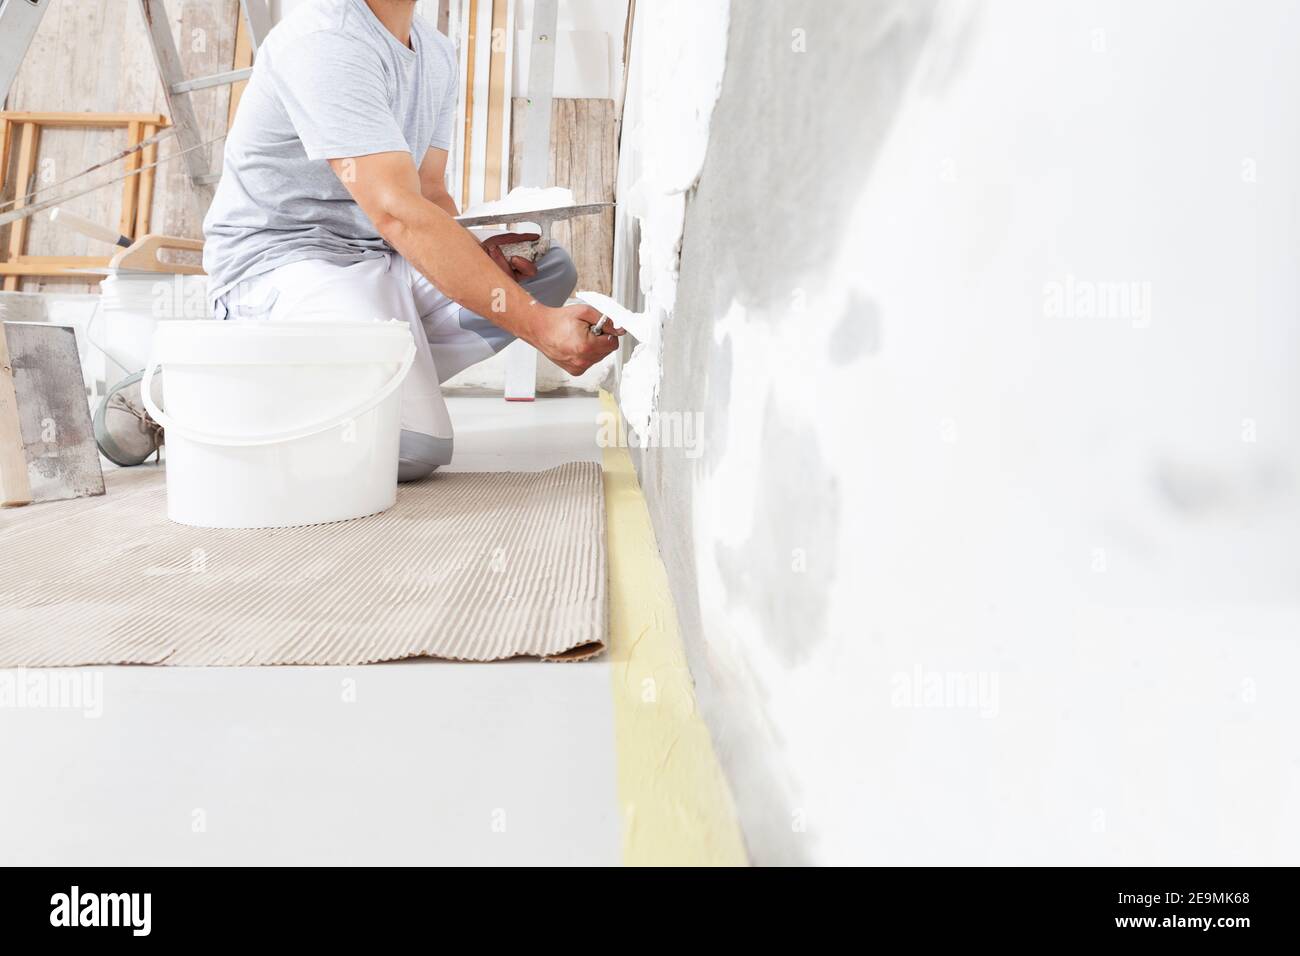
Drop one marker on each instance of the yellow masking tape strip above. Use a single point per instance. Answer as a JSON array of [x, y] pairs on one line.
[[677, 807]]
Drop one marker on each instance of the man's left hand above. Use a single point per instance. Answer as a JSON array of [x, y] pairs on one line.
[[517, 267]]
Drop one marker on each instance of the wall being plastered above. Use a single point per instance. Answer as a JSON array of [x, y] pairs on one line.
[[988, 314]]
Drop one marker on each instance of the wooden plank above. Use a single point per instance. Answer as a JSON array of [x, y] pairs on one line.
[[468, 139], [494, 174], [22, 186], [6, 136], [131, 187], [66, 261], [627, 59], [57, 438], [583, 157], [180, 204], [144, 204], [535, 119], [82, 119], [243, 60], [14, 486], [54, 266], [172, 70]]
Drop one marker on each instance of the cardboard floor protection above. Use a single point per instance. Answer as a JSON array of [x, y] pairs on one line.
[[467, 566]]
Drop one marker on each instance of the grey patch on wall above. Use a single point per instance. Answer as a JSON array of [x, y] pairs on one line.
[[1196, 489], [857, 333], [809, 127], [786, 569]]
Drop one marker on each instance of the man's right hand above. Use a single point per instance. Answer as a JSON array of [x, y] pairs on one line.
[[566, 338]]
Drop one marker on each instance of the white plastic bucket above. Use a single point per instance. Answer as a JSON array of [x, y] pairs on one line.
[[131, 307], [276, 424]]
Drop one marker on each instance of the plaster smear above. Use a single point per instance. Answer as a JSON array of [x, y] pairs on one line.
[[674, 83], [524, 199]]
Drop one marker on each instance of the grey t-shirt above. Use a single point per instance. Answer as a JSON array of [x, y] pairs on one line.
[[329, 82]]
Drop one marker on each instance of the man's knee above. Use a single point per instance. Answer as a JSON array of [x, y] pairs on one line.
[[420, 455], [556, 277]]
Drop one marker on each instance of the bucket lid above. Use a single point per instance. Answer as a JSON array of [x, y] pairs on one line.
[[258, 342]]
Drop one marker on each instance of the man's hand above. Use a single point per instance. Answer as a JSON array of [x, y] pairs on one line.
[[567, 339], [518, 267]]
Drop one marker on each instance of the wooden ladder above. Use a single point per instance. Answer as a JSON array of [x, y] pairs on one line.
[[19, 20], [177, 88]]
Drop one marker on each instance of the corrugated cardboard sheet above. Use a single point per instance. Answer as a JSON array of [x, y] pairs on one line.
[[467, 566]]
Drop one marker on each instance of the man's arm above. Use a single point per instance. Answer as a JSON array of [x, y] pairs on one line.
[[433, 181], [388, 189], [433, 187]]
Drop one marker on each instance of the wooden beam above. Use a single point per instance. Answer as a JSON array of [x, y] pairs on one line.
[[55, 260], [6, 136], [494, 175], [82, 119], [468, 139], [22, 186], [171, 70], [628, 26], [54, 266], [536, 125], [131, 186], [243, 60], [584, 158], [144, 205]]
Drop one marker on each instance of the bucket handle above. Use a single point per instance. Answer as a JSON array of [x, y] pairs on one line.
[[171, 425]]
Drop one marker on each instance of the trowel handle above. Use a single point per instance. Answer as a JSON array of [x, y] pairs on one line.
[[84, 226]]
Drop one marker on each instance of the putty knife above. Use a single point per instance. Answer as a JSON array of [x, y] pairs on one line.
[[624, 318]]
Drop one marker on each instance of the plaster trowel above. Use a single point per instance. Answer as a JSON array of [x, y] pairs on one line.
[[544, 207]]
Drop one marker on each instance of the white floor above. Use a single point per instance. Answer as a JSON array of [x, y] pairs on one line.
[[421, 762]]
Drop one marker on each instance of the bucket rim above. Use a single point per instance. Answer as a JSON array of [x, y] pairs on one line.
[[294, 329], [259, 342]]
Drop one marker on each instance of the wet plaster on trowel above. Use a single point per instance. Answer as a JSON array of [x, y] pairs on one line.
[[674, 82], [521, 200]]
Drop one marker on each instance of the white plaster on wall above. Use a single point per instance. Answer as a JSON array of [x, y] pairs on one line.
[[1101, 512], [675, 78]]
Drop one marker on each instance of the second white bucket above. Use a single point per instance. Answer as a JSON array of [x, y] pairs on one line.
[[277, 424]]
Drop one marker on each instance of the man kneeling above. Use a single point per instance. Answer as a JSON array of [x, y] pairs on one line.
[[332, 205]]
